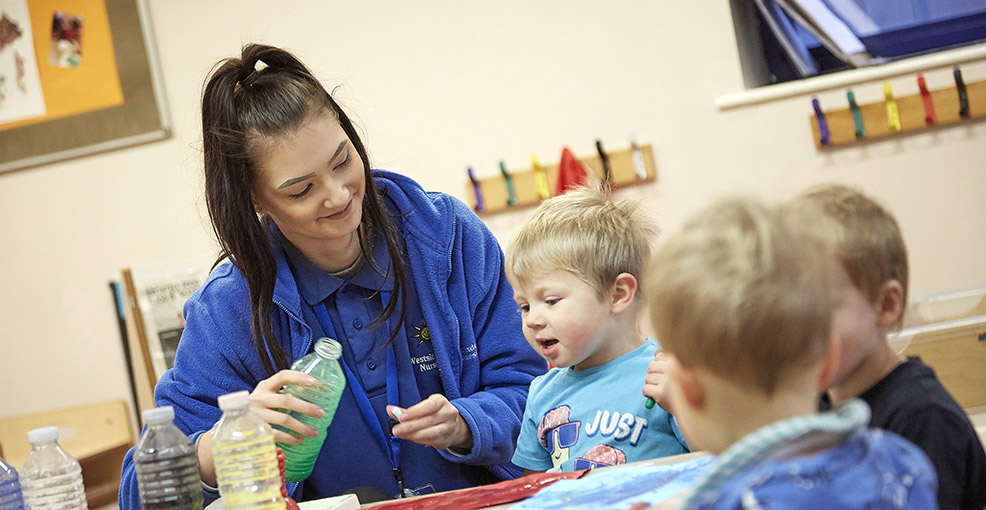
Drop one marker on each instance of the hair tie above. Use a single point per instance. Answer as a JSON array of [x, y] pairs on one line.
[[258, 66]]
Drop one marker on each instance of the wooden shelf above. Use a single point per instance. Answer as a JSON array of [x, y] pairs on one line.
[[494, 189], [842, 128]]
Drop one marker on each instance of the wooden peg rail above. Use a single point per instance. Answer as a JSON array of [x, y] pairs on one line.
[[842, 128], [494, 188]]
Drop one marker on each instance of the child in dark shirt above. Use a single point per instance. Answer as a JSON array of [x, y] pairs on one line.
[[869, 281], [741, 303]]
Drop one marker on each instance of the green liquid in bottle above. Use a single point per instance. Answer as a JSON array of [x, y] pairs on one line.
[[323, 365]]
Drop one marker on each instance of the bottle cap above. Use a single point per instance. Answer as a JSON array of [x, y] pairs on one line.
[[234, 400], [328, 348], [42, 435], [159, 414]]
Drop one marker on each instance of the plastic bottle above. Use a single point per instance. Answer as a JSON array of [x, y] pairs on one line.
[[245, 458], [51, 478], [10, 488], [323, 365], [167, 464]]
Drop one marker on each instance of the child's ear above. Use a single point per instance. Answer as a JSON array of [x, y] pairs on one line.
[[830, 363], [890, 303], [623, 291], [686, 379]]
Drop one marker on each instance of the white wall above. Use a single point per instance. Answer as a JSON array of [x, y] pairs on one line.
[[436, 86]]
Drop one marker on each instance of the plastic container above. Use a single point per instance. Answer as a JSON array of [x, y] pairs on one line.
[[245, 458], [10, 488], [51, 478], [948, 332], [167, 464], [323, 365]]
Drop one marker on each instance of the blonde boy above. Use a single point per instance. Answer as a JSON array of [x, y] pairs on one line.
[[870, 274], [575, 267], [740, 301]]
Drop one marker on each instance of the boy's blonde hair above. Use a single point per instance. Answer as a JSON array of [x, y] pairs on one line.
[[742, 292], [862, 234], [582, 232]]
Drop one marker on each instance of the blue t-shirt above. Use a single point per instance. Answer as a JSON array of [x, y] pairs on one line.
[[580, 419]]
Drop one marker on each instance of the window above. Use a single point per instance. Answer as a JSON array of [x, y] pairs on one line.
[[786, 40]]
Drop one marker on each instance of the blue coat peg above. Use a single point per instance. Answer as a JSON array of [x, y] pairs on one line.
[[477, 189], [823, 126]]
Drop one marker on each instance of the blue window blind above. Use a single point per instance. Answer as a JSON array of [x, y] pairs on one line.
[[888, 29], [898, 28]]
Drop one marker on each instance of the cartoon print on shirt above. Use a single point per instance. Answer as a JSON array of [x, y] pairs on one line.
[[558, 434], [600, 455]]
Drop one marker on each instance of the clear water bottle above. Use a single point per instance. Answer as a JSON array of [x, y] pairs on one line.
[[245, 457], [167, 464], [10, 488], [51, 479], [323, 365]]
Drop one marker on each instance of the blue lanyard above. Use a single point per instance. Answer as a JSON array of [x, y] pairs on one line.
[[392, 445]]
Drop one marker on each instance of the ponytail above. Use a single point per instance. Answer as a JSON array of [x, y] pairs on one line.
[[268, 93]]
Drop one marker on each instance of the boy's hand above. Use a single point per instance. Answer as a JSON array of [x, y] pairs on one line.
[[433, 422], [656, 382]]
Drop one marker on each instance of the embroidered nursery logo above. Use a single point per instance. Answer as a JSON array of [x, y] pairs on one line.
[[425, 363], [469, 352], [422, 333]]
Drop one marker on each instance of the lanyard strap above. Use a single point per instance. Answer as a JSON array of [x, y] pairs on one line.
[[392, 445]]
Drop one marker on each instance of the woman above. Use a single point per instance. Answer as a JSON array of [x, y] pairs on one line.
[[319, 245]]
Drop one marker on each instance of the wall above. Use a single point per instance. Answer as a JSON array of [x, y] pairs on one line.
[[437, 86]]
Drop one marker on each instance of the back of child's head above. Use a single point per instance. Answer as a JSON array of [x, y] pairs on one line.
[[582, 232], [862, 234], [742, 292]]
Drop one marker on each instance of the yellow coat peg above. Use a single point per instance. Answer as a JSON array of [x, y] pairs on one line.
[[540, 178], [893, 116]]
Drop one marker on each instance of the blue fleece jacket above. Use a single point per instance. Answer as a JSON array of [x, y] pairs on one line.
[[457, 271]]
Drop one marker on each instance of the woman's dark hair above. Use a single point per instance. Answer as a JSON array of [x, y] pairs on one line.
[[264, 94]]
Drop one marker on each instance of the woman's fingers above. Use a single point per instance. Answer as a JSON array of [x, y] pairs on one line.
[[434, 422], [274, 383], [267, 402]]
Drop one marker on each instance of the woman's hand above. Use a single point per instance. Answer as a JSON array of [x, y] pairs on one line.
[[434, 422], [266, 399], [656, 381]]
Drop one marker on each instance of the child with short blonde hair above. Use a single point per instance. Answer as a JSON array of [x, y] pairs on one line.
[[576, 266], [870, 276], [740, 301]]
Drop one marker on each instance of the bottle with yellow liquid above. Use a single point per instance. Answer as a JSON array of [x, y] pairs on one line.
[[245, 458]]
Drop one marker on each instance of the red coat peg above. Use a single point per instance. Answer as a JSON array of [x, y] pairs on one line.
[[929, 105]]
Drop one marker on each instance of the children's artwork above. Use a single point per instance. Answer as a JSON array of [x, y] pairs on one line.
[[21, 95], [620, 487], [65, 49], [483, 496], [62, 93]]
